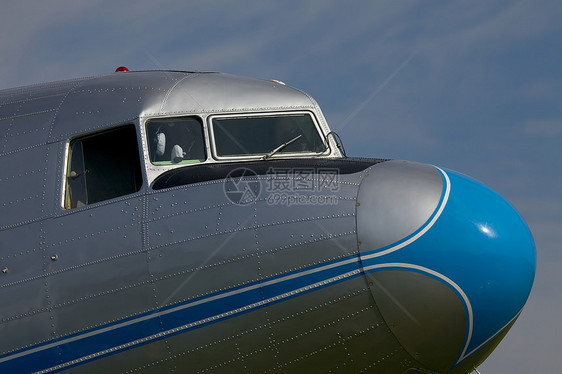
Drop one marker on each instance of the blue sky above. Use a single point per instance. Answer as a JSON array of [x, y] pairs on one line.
[[470, 86]]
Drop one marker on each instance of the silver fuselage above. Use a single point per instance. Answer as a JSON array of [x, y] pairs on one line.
[[304, 261]]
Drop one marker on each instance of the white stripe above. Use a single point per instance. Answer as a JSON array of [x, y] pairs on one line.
[[206, 320], [178, 308], [424, 230], [448, 281], [463, 356]]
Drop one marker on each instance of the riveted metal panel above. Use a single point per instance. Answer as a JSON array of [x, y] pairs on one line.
[[23, 185], [108, 100], [38, 321], [424, 314], [202, 233], [145, 260], [205, 236], [27, 131], [102, 246], [22, 256], [115, 290], [227, 93], [22, 287], [335, 329], [41, 90]]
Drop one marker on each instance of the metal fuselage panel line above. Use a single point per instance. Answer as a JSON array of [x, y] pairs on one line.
[[265, 251]]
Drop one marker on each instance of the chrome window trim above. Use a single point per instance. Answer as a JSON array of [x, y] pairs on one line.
[[215, 156]]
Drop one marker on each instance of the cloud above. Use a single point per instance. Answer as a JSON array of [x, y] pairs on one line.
[[547, 128]]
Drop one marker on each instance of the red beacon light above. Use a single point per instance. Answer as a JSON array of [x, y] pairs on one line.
[[121, 68]]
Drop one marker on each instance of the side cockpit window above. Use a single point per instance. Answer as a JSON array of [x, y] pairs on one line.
[[102, 166], [174, 141]]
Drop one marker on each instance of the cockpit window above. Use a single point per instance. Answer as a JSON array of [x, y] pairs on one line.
[[102, 166], [174, 141], [266, 135]]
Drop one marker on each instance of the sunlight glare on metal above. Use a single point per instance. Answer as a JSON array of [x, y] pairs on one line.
[[487, 230]]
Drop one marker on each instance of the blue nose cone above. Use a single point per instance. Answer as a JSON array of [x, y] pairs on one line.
[[458, 267]]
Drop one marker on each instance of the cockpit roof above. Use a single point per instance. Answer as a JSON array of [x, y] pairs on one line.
[[82, 105]]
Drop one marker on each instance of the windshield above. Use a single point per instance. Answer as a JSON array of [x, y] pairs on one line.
[[260, 135], [175, 141]]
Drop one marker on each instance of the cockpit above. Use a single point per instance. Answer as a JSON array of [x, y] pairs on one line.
[[183, 141], [105, 164], [175, 141]]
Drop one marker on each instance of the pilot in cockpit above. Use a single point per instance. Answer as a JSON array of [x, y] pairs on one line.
[[176, 141]]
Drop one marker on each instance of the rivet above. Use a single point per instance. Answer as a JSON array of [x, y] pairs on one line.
[[54, 257], [5, 270]]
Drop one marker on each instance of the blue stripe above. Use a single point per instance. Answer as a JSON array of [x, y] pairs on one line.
[[149, 327]]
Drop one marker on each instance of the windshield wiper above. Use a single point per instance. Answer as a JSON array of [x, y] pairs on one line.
[[270, 154]]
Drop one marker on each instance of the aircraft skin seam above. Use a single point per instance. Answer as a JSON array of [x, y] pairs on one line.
[[26, 115], [129, 88], [220, 206], [23, 223], [126, 254], [422, 230], [62, 137], [383, 359], [55, 272], [27, 148], [250, 228], [286, 364], [31, 99], [104, 293], [455, 287], [458, 290], [72, 87], [159, 279], [18, 201], [302, 274], [414, 237], [200, 323], [350, 199], [169, 91], [164, 277], [5, 179], [325, 304], [139, 194], [61, 212]]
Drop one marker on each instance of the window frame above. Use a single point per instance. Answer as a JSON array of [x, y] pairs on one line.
[[212, 137], [137, 175], [165, 164]]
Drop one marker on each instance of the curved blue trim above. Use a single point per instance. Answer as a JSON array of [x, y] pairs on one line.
[[474, 242], [422, 229], [77, 349], [481, 248]]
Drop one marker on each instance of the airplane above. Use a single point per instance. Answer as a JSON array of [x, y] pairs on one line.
[[201, 222]]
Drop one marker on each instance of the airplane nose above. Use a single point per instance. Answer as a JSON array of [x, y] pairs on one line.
[[449, 262]]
